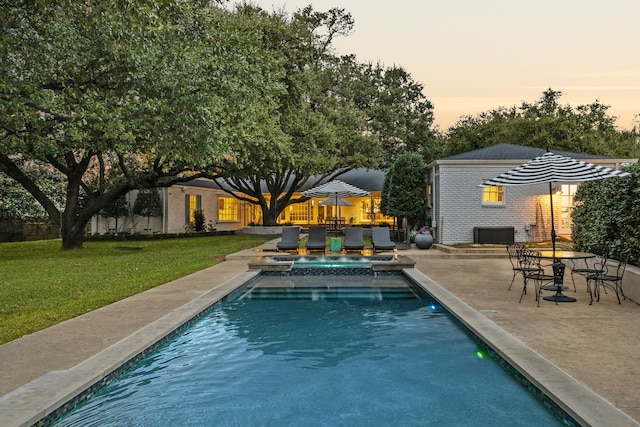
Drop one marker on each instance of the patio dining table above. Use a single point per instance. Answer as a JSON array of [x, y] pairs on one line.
[[558, 256], [333, 222]]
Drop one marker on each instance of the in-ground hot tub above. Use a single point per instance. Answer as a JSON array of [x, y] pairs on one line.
[[327, 262]]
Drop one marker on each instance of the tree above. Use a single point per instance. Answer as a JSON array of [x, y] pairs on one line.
[[325, 131], [143, 95], [545, 124], [16, 204], [118, 208], [148, 204], [404, 190], [397, 112]]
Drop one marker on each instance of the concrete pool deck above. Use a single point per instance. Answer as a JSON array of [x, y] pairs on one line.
[[596, 345]]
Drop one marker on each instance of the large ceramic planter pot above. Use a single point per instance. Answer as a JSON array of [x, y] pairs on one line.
[[424, 241]]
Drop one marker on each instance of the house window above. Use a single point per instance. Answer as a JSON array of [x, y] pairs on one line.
[[227, 209], [253, 213], [371, 212], [192, 203], [493, 195], [299, 212]]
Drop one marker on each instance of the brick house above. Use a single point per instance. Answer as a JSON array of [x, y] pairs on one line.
[[463, 212]]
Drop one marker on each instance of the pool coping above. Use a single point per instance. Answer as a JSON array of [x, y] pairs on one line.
[[33, 402]]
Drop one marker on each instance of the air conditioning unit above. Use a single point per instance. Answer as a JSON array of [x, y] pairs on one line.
[[497, 235]]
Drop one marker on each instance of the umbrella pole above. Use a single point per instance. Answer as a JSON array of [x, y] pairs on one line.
[[553, 226], [337, 213]]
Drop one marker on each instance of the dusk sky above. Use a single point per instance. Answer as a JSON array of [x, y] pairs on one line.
[[473, 56]]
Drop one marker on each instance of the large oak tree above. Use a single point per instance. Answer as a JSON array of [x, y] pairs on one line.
[[338, 113], [116, 95], [326, 132]]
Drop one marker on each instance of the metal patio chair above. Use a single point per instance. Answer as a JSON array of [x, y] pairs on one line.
[[586, 271], [610, 276], [531, 260], [516, 251]]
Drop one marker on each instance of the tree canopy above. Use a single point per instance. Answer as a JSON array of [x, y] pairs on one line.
[[115, 96], [545, 124], [397, 112], [325, 131], [337, 113]]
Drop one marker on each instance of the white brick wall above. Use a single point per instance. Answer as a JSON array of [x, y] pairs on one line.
[[176, 212], [461, 208]]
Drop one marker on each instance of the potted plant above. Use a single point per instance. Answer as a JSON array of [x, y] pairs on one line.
[[424, 239]]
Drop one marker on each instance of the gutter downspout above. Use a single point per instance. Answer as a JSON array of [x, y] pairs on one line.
[[165, 209], [434, 201]]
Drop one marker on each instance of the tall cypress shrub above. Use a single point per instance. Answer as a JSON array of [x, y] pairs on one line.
[[403, 193]]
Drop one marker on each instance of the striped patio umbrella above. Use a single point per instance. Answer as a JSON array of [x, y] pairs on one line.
[[334, 190], [552, 168]]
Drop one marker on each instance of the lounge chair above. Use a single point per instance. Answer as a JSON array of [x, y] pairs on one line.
[[353, 240], [290, 239], [317, 240], [381, 240]]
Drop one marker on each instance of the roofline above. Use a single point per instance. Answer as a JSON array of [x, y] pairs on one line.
[[489, 163]]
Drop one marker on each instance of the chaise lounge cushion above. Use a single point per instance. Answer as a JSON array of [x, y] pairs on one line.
[[290, 239], [381, 240], [353, 239], [317, 239]]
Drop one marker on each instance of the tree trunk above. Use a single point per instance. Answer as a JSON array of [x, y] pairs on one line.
[[72, 237], [269, 214]]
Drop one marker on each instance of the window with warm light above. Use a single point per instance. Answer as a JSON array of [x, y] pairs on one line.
[[253, 213], [493, 195], [299, 212], [371, 212], [192, 203], [228, 209]]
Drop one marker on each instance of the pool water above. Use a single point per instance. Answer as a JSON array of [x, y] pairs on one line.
[[309, 361]]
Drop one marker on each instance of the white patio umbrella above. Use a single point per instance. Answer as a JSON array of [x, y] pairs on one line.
[[550, 168], [334, 190]]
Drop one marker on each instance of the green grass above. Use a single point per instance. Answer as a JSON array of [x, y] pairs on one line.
[[40, 285]]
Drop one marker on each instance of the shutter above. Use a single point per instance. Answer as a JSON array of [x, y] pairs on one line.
[[186, 209]]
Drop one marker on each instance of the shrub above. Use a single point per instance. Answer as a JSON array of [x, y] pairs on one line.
[[198, 221], [606, 219]]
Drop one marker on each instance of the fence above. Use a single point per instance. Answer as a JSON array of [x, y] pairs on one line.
[[27, 231]]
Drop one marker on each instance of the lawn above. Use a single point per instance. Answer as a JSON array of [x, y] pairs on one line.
[[40, 285]]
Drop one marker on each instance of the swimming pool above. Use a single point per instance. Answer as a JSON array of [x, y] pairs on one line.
[[264, 358]]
